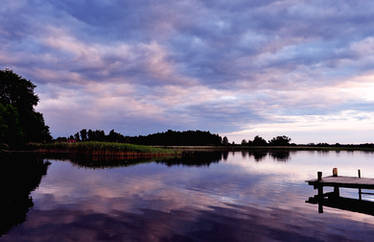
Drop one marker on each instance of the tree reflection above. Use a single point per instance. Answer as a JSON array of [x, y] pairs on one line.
[[186, 158], [280, 155], [19, 176], [196, 158]]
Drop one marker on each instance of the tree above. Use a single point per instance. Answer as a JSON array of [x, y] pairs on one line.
[[259, 141], [18, 92], [225, 141], [76, 136], [115, 137], [280, 140], [244, 142], [89, 135], [249, 142], [83, 133], [10, 130]]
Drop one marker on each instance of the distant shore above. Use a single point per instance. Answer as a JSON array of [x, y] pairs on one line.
[[290, 147], [125, 150]]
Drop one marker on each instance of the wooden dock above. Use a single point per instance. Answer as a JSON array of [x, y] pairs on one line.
[[344, 181], [333, 199]]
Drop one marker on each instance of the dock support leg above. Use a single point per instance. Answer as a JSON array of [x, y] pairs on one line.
[[336, 191], [336, 188], [359, 190], [320, 192], [320, 199]]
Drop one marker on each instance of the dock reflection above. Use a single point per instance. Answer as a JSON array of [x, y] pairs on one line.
[[19, 176], [333, 200]]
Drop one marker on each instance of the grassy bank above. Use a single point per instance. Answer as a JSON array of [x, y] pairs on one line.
[[99, 147]]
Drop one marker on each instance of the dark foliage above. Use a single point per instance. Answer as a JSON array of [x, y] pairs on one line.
[[83, 134], [11, 132], [259, 141], [19, 121], [280, 141], [225, 141], [170, 137]]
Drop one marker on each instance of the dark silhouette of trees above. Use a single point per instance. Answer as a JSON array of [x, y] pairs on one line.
[[83, 133], [18, 118], [259, 141], [244, 142], [280, 141], [225, 141], [10, 129], [115, 137], [61, 139], [76, 136], [170, 137], [95, 135], [89, 135]]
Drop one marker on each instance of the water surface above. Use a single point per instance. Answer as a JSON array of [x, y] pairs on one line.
[[231, 196]]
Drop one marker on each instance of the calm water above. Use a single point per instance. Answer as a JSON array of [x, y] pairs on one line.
[[237, 196]]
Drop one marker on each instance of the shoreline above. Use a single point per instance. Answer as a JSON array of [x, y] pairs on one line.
[[242, 148], [164, 151]]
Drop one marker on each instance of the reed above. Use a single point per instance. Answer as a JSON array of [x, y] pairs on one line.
[[95, 146]]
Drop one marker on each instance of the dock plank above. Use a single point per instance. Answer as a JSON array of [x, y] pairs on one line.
[[344, 181]]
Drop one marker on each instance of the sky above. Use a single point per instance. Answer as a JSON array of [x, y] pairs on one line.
[[238, 68]]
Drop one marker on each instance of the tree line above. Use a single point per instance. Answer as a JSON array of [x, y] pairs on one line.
[[170, 138], [19, 122], [275, 141]]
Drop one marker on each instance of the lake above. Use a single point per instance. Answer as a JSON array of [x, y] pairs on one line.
[[205, 196]]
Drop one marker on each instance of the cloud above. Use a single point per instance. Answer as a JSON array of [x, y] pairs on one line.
[[147, 66]]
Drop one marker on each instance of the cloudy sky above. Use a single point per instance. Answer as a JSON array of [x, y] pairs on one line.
[[238, 68]]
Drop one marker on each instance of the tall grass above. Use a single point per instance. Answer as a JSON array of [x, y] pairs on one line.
[[93, 146]]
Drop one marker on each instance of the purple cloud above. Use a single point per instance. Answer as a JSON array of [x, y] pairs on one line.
[[224, 66]]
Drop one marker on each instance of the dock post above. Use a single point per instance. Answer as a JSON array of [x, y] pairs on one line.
[[320, 192], [319, 186], [336, 188], [359, 190], [336, 191]]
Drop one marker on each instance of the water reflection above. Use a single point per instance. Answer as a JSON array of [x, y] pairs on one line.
[[218, 196], [19, 176], [349, 204], [188, 158], [234, 223]]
